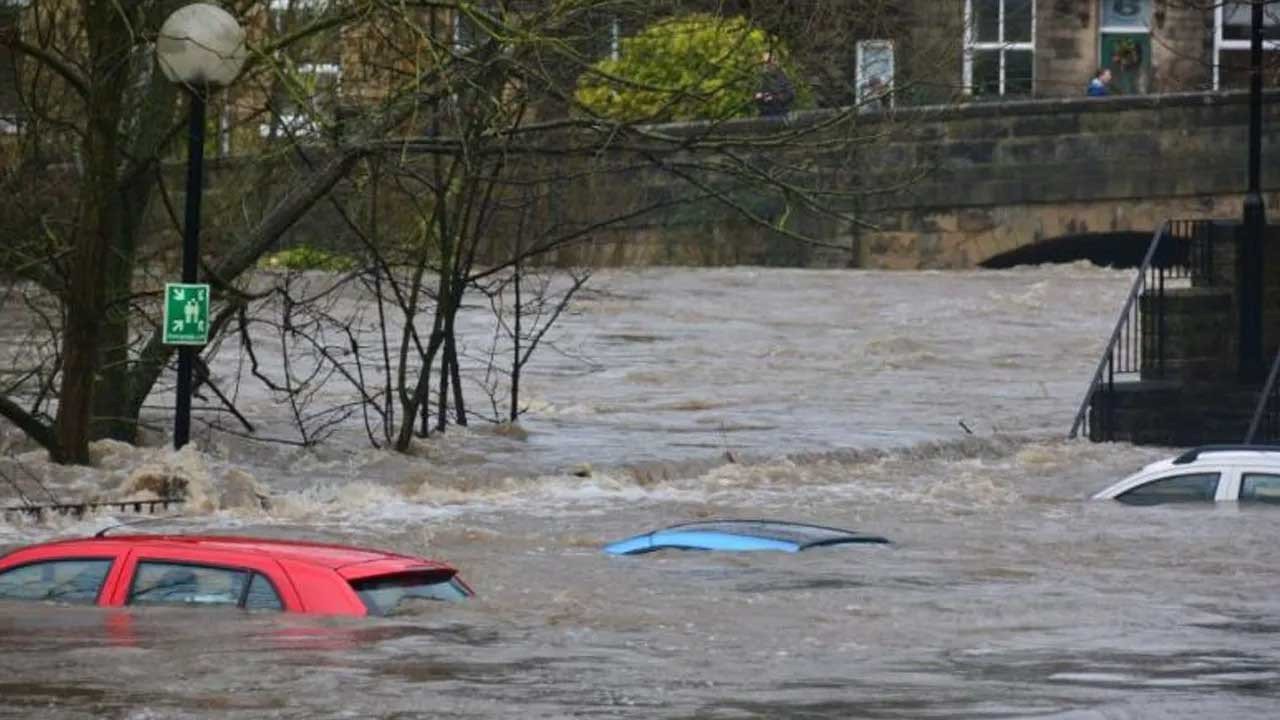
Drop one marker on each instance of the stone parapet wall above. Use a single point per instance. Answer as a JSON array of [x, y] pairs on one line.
[[976, 181], [994, 177]]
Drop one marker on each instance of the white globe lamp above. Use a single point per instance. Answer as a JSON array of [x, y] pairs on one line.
[[201, 44]]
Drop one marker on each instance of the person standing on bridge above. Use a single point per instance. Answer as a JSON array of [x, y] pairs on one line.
[[1100, 85]]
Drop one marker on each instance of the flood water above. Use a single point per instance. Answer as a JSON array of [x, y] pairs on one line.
[[838, 398]]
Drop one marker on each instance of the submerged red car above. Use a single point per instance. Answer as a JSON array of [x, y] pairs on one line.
[[211, 570]]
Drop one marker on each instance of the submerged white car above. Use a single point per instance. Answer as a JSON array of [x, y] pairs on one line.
[[1213, 473]]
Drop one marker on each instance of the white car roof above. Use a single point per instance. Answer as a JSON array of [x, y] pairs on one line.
[[1218, 457], [1201, 458]]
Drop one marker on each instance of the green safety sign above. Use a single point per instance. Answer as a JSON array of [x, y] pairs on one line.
[[186, 314]]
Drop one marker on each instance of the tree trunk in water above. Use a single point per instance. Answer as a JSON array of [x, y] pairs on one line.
[[515, 339], [418, 400], [442, 405], [459, 407], [111, 413], [96, 234], [424, 428], [79, 364]]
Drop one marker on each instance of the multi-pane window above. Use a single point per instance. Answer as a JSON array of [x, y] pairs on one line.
[[602, 35], [1233, 23], [874, 74], [306, 96], [999, 47], [469, 29], [596, 35], [466, 33], [614, 34]]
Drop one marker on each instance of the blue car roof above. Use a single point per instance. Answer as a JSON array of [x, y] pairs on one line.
[[740, 535]]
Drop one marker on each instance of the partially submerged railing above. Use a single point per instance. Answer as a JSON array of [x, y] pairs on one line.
[[40, 511], [1179, 249], [1266, 415]]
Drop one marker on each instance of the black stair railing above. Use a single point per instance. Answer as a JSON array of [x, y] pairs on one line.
[[1266, 415], [1179, 250]]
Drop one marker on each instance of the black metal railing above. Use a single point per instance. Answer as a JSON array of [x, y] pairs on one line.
[[80, 509], [1265, 427], [1179, 250]]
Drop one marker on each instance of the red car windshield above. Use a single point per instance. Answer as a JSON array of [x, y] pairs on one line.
[[387, 594]]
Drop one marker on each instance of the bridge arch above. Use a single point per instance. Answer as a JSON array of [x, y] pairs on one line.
[[1119, 249]]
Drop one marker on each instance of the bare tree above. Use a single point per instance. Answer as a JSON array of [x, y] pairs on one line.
[[458, 161]]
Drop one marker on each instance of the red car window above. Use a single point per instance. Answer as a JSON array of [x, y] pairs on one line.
[[75, 580], [165, 583], [261, 595]]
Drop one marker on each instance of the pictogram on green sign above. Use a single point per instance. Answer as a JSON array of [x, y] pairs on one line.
[[186, 314]]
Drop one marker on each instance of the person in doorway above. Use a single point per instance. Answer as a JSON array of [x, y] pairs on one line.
[[776, 92], [1100, 85]]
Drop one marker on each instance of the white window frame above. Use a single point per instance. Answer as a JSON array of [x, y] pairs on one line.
[[971, 45], [1220, 43], [224, 127], [298, 122], [460, 45], [615, 38], [296, 4], [860, 68]]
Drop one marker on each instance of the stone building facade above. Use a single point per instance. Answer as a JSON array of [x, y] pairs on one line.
[[1052, 48], [908, 53]]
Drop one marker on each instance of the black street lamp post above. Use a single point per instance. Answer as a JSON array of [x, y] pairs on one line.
[[1252, 253], [190, 255], [199, 46]]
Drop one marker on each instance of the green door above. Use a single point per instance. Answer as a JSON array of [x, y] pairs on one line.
[[1129, 57]]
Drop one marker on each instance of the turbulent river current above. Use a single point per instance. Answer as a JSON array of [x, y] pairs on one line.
[[931, 408]]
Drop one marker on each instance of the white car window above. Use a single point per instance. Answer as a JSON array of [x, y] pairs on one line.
[[1260, 487], [1191, 487]]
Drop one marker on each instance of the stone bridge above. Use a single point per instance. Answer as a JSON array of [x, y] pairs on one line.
[[1008, 182]]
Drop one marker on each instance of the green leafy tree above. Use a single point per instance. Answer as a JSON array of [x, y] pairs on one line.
[[691, 67]]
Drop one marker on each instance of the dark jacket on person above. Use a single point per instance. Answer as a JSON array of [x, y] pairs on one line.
[[776, 91]]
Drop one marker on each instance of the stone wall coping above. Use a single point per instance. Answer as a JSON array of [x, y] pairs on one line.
[[802, 119]]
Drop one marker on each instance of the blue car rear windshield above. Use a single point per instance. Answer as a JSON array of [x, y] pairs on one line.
[[386, 595], [798, 533]]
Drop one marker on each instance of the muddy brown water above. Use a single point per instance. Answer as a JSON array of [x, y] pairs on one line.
[[839, 395]]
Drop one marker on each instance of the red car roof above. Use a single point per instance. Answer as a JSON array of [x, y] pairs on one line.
[[322, 554]]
